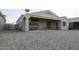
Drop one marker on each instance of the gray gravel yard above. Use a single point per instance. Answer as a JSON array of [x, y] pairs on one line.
[[40, 40]]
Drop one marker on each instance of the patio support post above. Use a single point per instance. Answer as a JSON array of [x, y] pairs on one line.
[[27, 23]]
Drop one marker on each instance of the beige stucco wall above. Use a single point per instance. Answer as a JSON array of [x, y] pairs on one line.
[[64, 27], [64, 19]]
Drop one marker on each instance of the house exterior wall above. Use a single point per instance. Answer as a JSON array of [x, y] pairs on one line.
[[66, 21], [42, 24], [56, 25], [59, 25], [66, 27], [53, 26]]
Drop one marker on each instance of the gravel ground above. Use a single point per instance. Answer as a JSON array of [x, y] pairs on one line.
[[40, 40]]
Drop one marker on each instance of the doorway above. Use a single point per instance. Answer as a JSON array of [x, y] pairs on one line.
[[49, 25]]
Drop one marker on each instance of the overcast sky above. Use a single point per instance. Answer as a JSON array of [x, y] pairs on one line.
[[13, 14]]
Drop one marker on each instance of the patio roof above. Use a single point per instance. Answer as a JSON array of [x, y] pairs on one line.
[[47, 14]]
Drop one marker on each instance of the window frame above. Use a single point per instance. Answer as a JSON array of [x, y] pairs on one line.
[[64, 23]]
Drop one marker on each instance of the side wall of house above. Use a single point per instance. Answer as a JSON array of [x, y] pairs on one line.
[[66, 26]]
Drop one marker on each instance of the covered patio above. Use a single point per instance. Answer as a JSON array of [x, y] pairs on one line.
[[42, 20], [43, 24]]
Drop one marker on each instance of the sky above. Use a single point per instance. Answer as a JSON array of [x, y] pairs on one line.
[[13, 14]]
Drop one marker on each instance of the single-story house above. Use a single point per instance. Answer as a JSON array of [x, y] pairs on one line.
[[45, 20], [42, 20], [2, 21]]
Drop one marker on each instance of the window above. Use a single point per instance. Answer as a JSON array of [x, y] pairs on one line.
[[64, 23]]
